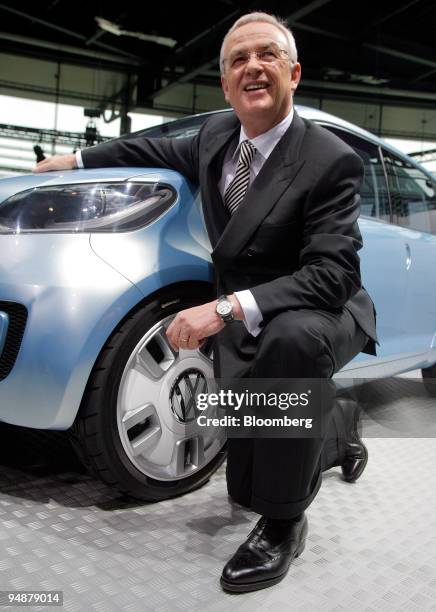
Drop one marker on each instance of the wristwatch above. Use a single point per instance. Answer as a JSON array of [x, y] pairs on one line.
[[224, 309]]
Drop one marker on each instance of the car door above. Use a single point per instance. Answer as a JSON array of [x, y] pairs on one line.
[[413, 198], [383, 256]]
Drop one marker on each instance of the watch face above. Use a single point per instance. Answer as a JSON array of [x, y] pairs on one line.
[[224, 308]]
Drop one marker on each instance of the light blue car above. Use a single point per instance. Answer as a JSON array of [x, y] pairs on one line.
[[94, 264]]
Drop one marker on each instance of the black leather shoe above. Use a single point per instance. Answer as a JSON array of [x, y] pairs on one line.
[[355, 452], [264, 558], [355, 460]]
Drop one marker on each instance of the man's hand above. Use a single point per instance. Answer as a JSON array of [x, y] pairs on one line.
[[192, 326], [57, 162]]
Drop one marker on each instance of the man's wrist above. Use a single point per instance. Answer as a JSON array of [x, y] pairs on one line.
[[78, 159], [238, 313]]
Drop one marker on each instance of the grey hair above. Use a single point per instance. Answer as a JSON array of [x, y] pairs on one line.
[[262, 18]]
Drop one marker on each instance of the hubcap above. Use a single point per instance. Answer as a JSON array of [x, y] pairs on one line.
[[157, 411]]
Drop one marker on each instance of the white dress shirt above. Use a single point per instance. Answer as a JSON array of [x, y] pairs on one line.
[[264, 144]]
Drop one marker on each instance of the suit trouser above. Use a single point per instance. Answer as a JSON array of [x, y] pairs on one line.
[[279, 477]]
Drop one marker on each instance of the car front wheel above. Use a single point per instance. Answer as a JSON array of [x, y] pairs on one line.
[[136, 428]]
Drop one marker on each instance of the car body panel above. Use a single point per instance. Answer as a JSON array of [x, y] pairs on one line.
[[172, 247], [74, 300], [421, 288], [385, 240]]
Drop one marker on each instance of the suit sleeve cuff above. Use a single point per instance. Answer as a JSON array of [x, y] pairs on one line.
[[79, 160], [252, 314]]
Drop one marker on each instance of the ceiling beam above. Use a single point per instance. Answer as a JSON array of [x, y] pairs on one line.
[[66, 96], [374, 90], [306, 10], [390, 15], [424, 75], [297, 25], [409, 57], [44, 44], [42, 135], [65, 31]]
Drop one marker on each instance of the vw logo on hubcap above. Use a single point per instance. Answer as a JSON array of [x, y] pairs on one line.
[[184, 392]]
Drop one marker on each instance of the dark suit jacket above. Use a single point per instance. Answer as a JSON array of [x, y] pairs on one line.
[[294, 240]]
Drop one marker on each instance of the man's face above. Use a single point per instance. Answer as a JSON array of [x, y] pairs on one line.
[[258, 91]]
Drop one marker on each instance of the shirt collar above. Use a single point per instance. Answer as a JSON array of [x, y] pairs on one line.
[[266, 142]]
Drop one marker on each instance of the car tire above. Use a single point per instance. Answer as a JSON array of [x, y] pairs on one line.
[[127, 445], [429, 379]]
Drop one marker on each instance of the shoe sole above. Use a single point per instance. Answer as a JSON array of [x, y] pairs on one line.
[[262, 584], [361, 468]]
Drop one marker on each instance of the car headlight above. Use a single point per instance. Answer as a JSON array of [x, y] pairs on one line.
[[87, 207]]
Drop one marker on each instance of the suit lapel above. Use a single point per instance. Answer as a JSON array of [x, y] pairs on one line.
[[215, 214], [277, 173]]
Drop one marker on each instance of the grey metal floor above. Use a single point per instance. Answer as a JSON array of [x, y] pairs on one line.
[[371, 545]]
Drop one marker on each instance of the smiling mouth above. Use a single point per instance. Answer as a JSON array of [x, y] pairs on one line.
[[256, 86]]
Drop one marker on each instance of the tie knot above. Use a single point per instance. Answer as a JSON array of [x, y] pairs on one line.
[[246, 153]]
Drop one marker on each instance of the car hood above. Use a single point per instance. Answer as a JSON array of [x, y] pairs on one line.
[[15, 184]]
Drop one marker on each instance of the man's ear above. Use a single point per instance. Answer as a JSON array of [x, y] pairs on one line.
[[225, 88], [295, 76]]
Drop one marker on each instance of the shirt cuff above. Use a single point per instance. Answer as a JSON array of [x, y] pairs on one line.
[[252, 314], [79, 160]]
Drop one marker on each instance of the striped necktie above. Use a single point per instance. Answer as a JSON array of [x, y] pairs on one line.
[[237, 188]]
